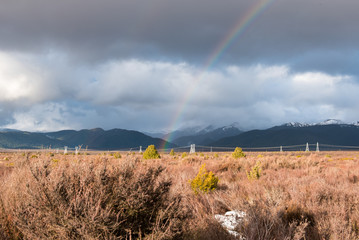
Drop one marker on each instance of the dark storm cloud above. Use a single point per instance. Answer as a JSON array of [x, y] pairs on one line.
[[288, 30]]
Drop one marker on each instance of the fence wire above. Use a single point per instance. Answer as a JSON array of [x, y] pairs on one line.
[[200, 148]]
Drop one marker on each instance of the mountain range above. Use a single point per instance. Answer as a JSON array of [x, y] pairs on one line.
[[97, 139], [330, 132], [208, 135]]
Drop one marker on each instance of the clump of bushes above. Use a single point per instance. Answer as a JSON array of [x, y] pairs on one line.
[[117, 155], [204, 181], [238, 153], [255, 172], [184, 155], [151, 153]]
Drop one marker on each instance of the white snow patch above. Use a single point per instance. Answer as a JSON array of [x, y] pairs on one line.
[[296, 124], [331, 122], [230, 221]]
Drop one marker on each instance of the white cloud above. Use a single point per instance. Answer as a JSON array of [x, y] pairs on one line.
[[43, 117], [137, 82], [47, 93], [30, 79], [16, 79]]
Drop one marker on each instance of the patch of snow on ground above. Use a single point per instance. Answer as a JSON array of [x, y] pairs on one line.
[[230, 221]]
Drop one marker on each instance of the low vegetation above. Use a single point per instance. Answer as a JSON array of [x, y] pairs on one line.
[[255, 172], [151, 153], [204, 182], [184, 155], [172, 152], [98, 196], [238, 153]]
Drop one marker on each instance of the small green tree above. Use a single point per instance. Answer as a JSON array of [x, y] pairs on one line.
[[238, 153], [151, 153], [204, 181], [255, 173], [172, 152]]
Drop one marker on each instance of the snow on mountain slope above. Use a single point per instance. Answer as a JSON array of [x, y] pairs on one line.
[[323, 123]]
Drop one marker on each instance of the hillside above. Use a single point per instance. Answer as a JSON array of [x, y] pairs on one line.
[[97, 139], [334, 134], [22, 140]]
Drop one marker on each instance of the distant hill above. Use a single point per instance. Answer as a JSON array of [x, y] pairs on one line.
[[23, 140], [98, 139], [333, 133], [207, 137]]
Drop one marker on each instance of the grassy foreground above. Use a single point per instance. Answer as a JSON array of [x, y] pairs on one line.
[[297, 195]]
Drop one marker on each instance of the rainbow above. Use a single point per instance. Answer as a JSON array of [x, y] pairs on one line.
[[238, 29]]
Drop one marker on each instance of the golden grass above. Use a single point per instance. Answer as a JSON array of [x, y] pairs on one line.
[[314, 196]]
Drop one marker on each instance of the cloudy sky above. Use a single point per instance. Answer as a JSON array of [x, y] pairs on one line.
[[154, 65]]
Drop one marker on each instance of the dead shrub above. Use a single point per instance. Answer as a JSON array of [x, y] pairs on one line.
[[210, 229], [229, 165], [297, 219], [353, 178], [263, 222]]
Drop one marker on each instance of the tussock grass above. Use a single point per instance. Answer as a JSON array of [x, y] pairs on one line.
[[99, 197]]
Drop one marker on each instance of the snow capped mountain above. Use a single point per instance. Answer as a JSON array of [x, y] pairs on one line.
[[195, 131], [205, 130], [232, 126], [331, 122], [207, 135], [324, 123], [295, 124]]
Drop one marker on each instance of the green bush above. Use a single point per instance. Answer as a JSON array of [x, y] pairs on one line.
[[184, 155], [255, 173], [151, 153], [204, 181], [172, 152], [117, 155], [238, 153]]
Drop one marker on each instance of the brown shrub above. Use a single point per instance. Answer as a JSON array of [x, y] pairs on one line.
[[291, 223], [88, 201]]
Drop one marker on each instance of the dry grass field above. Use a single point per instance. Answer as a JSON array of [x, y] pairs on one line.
[[297, 195]]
